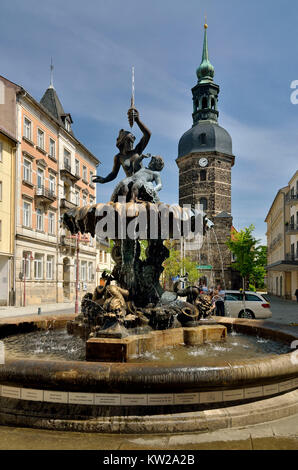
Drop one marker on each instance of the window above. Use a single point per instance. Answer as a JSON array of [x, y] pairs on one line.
[[26, 214], [100, 256], [27, 128], [67, 156], [85, 173], [203, 175], [90, 272], [202, 139], [84, 200], [50, 267], [0, 190], [84, 271], [27, 171], [52, 223], [67, 125], [252, 298], [91, 174], [77, 198], [91, 199], [38, 266], [52, 184], [105, 257], [39, 219], [1, 151], [77, 167], [26, 264], [204, 103], [203, 202], [234, 296], [40, 138], [52, 148], [40, 178]]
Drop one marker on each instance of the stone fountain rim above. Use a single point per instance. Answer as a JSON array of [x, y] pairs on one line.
[[94, 376]]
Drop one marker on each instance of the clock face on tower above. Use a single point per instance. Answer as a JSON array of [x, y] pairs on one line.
[[203, 162]]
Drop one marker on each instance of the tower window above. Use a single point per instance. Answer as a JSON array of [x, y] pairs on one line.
[[212, 103], [204, 103], [203, 203], [202, 139], [203, 175]]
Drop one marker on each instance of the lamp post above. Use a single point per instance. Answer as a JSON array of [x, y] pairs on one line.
[[77, 275], [25, 264]]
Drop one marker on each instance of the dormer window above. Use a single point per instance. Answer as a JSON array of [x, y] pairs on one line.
[[202, 139], [67, 124]]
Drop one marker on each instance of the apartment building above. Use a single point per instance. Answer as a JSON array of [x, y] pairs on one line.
[[7, 217], [53, 174], [282, 241], [104, 261]]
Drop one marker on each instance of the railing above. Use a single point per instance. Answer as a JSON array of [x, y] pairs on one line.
[[68, 241], [67, 166], [290, 197], [292, 227], [292, 256], [44, 192]]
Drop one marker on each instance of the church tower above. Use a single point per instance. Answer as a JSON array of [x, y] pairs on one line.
[[205, 159]]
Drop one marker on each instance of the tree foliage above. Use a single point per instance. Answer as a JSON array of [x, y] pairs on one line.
[[175, 265], [251, 258]]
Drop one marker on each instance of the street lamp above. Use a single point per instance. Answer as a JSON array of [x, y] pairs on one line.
[[77, 275], [24, 270]]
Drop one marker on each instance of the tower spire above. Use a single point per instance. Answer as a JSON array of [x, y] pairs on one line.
[[205, 71], [52, 74]]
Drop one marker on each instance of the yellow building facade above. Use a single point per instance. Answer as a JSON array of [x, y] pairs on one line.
[[7, 217], [282, 241]]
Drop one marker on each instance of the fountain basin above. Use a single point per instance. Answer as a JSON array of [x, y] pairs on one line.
[[94, 396], [123, 350]]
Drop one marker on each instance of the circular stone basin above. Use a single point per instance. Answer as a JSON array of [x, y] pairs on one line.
[[144, 397], [59, 345]]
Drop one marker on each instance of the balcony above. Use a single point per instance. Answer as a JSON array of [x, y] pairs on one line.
[[292, 198], [292, 229], [44, 194], [69, 241], [66, 204], [292, 257], [67, 171]]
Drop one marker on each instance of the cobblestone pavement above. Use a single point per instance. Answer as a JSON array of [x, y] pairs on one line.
[[283, 311], [46, 309], [276, 435]]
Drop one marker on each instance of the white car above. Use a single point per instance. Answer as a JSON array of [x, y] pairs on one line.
[[256, 306]]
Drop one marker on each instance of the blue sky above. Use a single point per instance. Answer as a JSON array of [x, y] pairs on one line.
[[252, 45]]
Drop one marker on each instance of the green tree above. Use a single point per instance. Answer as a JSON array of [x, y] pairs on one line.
[[244, 246], [257, 277], [175, 265]]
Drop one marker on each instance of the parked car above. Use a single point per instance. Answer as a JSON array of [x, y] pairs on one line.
[[256, 305]]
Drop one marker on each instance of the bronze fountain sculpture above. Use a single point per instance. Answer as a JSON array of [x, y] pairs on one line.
[[135, 299]]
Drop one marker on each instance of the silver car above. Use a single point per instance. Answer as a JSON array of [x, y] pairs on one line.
[[255, 305]]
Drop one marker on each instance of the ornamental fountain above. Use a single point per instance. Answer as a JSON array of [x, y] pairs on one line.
[[112, 387]]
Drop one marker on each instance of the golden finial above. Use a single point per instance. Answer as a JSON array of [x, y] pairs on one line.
[[205, 25]]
